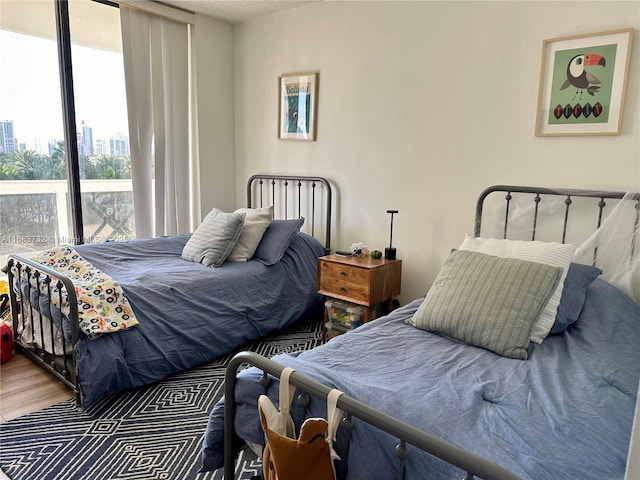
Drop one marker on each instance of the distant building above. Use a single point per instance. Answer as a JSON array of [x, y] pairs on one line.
[[8, 142], [87, 146], [37, 146], [102, 147], [52, 146], [119, 145], [87, 134], [85, 140]]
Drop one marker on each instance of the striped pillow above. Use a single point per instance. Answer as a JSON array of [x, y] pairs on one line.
[[214, 239], [487, 301], [549, 253]]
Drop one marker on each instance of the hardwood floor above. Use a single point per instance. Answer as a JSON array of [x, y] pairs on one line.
[[25, 388]]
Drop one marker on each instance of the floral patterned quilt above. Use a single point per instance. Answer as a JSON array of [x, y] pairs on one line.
[[102, 306]]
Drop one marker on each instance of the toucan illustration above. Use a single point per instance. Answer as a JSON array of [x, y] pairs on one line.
[[579, 77]]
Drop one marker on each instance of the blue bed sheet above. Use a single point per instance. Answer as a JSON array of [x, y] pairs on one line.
[[566, 412], [189, 313]]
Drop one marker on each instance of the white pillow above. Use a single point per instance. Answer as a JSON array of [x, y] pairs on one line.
[[549, 253], [214, 239], [256, 222]]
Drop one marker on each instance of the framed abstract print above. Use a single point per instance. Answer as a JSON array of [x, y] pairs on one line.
[[297, 103]]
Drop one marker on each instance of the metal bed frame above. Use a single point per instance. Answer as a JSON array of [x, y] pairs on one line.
[[537, 196], [407, 434], [261, 194], [62, 362]]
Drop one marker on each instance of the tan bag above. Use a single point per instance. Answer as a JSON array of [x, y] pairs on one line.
[[311, 455]]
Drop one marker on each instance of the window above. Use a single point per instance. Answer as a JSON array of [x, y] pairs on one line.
[[101, 121], [33, 198], [36, 210]]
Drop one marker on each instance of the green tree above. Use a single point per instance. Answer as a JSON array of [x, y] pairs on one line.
[[109, 166], [105, 167], [28, 165], [58, 151], [8, 170]]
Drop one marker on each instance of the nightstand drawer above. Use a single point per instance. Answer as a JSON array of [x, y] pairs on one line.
[[344, 281], [345, 289], [361, 280], [338, 272]]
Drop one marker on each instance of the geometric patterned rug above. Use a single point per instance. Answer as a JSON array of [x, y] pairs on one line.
[[150, 433]]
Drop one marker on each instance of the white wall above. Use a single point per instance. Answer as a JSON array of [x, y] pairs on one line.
[[421, 106]]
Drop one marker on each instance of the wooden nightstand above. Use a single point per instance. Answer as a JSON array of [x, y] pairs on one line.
[[360, 280]]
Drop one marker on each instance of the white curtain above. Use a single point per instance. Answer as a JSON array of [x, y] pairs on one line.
[[160, 103], [616, 247]]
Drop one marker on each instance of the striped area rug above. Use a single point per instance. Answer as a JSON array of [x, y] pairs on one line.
[[150, 433]]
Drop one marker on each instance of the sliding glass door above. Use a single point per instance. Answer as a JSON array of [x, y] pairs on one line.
[[101, 121], [36, 209], [33, 185]]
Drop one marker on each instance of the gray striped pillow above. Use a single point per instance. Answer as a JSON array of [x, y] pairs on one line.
[[487, 301], [550, 253], [214, 239]]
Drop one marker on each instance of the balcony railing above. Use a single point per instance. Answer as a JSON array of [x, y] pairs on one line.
[[34, 214]]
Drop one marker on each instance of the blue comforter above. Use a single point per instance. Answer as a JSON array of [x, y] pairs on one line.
[[564, 413], [189, 313]]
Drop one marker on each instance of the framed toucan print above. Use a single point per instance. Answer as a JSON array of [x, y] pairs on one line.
[[583, 81]]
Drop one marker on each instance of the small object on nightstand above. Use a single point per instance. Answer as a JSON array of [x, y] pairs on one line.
[[390, 252], [359, 249], [343, 253]]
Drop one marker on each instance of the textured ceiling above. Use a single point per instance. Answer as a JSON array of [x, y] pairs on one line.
[[237, 11]]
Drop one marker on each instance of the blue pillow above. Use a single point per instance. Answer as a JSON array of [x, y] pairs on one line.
[[276, 240], [579, 277]]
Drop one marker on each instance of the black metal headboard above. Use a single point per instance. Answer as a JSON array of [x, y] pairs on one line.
[[295, 197], [591, 205], [537, 194]]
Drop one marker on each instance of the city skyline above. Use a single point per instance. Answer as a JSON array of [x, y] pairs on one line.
[[115, 145], [30, 90]]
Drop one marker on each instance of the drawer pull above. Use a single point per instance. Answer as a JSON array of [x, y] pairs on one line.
[[343, 273], [343, 289]]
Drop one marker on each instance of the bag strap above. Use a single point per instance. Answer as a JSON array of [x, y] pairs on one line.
[[286, 392], [334, 415]]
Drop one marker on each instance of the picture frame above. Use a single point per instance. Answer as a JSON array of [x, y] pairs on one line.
[[297, 105], [583, 81]]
